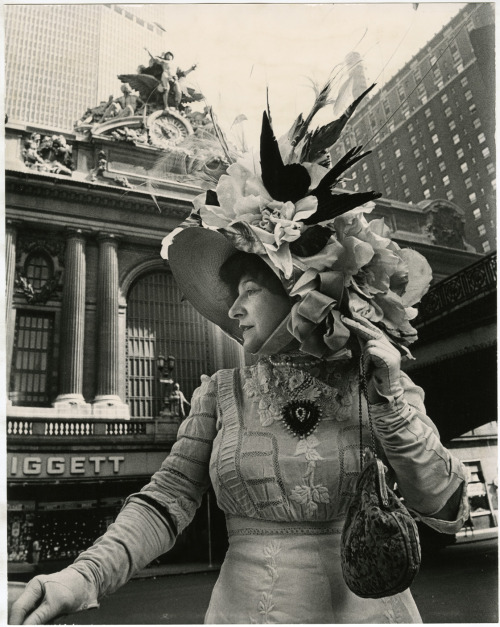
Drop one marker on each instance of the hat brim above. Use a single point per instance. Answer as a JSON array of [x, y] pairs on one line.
[[195, 257]]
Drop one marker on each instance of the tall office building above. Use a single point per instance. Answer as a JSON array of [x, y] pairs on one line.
[[61, 59], [431, 127]]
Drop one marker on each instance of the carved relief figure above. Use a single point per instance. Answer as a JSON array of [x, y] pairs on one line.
[[30, 151], [51, 154], [125, 106], [170, 78], [446, 227], [94, 115]]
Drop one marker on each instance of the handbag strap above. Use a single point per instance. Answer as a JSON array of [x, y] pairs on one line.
[[363, 391]]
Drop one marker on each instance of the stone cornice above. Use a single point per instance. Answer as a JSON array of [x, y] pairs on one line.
[[178, 205]]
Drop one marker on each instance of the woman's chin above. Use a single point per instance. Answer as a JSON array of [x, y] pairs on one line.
[[251, 346]]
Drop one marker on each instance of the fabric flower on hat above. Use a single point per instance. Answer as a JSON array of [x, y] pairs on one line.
[[377, 291]]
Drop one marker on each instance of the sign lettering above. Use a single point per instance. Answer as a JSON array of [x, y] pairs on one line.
[[69, 465]]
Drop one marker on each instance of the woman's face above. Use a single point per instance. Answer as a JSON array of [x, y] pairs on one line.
[[259, 311]]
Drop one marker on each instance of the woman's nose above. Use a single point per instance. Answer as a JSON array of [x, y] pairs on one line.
[[235, 310]]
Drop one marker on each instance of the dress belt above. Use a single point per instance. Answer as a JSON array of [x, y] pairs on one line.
[[239, 525]]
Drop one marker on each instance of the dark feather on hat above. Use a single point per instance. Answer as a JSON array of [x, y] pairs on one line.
[[301, 125], [311, 242], [332, 177], [327, 201], [211, 198], [326, 136], [283, 182], [338, 204]]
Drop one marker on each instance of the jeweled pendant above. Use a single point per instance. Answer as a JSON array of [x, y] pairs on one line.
[[301, 417]]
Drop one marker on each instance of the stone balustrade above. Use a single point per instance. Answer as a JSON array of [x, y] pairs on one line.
[[89, 428]]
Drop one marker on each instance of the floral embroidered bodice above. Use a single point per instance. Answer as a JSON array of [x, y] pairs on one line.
[[235, 439], [259, 469]]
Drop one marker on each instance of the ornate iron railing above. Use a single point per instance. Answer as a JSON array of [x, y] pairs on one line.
[[475, 280]]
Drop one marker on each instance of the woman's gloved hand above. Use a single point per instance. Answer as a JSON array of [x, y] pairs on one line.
[[382, 361], [48, 596]]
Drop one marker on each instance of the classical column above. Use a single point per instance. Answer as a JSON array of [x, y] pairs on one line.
[[10, 275], [107, 401], [10, 262], [72, 322]]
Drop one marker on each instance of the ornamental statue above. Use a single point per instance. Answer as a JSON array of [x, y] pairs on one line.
[[51, 154], [158, 109], [160, 88]]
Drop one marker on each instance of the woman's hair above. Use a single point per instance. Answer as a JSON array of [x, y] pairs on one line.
[[247, 264]]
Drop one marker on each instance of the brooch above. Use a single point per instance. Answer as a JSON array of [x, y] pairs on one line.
[[301, 417]]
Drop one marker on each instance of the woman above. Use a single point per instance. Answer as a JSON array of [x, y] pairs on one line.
[[279, 440]]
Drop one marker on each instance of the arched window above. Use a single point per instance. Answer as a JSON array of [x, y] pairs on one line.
[[38, 269], [159, 323]]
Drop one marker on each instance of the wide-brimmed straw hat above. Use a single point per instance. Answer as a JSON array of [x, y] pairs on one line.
[[195, 257]]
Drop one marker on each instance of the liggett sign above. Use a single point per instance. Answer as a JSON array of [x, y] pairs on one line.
[[64, 465]]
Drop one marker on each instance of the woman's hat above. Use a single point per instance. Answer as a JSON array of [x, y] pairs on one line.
[[331, 261], [195, 257]]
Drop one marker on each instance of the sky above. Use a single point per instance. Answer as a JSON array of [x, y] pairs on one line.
[[240, 49]]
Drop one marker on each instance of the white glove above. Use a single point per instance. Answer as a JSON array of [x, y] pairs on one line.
[[48, 596], [382, 361]]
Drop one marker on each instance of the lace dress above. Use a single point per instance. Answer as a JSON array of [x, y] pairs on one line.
[[284, 497]]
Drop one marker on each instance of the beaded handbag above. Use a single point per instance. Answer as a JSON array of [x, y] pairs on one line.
[[380, 547]]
